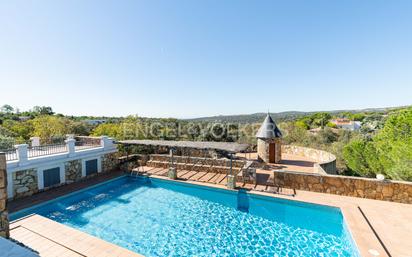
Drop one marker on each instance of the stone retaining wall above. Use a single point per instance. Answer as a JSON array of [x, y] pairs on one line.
[[109, 162], [128, 163], [73, 171], [25, 183], [4, 215], [221, 165], [395, 191], [326, 162], [180, 151], [197, 160]]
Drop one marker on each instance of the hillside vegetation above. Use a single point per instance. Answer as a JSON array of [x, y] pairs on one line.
[[284, 116], [388, 152], [383, 145]]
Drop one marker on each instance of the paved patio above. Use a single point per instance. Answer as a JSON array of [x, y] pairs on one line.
[[52, 239], [289, 162]]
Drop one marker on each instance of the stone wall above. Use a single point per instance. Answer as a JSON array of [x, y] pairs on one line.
[[110, 162], [128, 163], [73, 171], [326, 162], [26, 174], [264, 152], [200, 153], [25, 183], [4, 215], [395, 191], [146, 150]]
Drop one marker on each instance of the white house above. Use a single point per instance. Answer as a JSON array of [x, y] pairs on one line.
[[347, 124]]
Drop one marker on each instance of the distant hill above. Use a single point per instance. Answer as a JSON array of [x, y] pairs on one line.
[[250, 118], [281, 116]]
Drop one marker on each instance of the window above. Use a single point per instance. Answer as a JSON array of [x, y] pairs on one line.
[[91, 167], [51, 177]]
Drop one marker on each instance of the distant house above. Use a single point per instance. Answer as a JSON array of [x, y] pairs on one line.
[[95, 122], [317, 130], [24, 118], [347, 124]]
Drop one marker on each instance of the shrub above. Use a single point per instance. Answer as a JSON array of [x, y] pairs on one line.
[[389, 152], [6, 142]]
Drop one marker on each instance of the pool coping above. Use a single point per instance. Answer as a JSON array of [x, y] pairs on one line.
[[50, 238], [360, 229]]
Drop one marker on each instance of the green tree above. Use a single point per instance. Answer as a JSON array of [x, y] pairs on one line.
[[80, 128], [6, 142], [394, 145], [43, 110], [7, 109], [361, 157], [389, 152], [327, 136], [49, 127], [302, 124], [331, 125], [294, 134], [108, 129], [358, 116], [21, 130], [321, 119]]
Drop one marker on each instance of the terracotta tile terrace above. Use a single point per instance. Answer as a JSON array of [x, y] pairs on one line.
[[289, 162]]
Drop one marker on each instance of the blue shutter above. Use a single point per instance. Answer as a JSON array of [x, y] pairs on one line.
[[51, 177], [91, 167]]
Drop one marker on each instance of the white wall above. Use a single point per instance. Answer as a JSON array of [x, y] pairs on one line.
[[58, 160]]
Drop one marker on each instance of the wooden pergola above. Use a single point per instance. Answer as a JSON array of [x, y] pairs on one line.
[[229, 148]]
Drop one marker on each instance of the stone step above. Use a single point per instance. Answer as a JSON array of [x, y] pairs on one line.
[[195, 167]]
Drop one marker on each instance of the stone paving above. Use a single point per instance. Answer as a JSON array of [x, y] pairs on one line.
[[289, 162], [52, 239]]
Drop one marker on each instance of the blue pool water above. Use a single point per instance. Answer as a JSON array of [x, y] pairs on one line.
[[165, 218]]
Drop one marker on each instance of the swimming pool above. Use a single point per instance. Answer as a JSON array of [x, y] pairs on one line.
[[156, 217]]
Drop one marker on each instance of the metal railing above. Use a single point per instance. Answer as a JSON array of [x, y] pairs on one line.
[[11, 154], [80, 143], [36, 151]]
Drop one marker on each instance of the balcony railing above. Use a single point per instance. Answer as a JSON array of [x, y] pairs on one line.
[[23, 153], [42, 150], [11, 154]]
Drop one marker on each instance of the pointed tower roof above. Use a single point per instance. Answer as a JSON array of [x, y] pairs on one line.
[[268, 129]]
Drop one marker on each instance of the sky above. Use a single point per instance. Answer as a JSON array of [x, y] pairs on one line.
[[195, 58]]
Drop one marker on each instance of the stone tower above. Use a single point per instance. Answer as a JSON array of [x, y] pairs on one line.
[[269, 145]]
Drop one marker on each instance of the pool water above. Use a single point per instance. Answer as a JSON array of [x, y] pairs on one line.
[[155, 217]]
